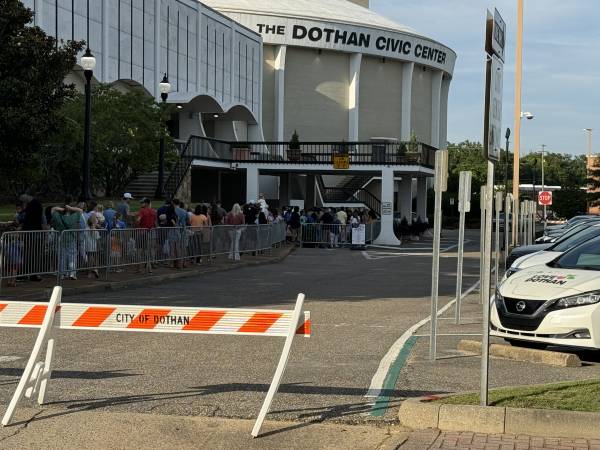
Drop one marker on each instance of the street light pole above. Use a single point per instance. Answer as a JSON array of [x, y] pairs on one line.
[[543, 185], [517, 140], [164, 87], [88, 62], [589, 141]]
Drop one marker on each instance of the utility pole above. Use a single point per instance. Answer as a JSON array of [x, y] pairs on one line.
[[589, 141], [543, 184], [517, 139]]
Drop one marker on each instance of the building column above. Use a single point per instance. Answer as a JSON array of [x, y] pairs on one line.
[[280, 53], [310, 199], [252, 184], [444, 113], [284, 190], [436, 100], [407, 80], [387, 236], [422, 198], [405, 195], [353, 96]]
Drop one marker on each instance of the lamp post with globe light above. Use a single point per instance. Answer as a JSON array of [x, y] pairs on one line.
[[88, 62], [164, 87]]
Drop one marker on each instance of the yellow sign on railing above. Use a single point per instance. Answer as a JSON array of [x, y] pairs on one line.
[[341, 161]]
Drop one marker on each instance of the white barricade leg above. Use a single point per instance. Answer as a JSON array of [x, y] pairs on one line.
[[36, 374], [280, 366]]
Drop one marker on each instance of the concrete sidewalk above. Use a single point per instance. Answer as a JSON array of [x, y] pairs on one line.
[[64, 429], [132, 276]]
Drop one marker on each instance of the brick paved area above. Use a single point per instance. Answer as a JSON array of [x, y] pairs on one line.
[[434, 439]]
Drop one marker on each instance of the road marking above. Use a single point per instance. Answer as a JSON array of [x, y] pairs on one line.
[[403, 251], [379, 379], [10, 358]]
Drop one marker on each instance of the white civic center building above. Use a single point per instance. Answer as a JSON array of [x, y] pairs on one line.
[[367, 97]]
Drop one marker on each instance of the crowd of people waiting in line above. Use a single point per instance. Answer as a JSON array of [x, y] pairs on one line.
[[31, 215], [22, 255]]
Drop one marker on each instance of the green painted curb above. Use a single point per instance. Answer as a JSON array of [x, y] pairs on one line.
[[382, 402]]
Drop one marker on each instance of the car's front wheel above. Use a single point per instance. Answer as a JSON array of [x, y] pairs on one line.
[[527, 344]]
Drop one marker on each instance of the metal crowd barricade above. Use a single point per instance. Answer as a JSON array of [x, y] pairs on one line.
[[263, 237], [249, 239], [82, 250], [328, 235], [198, 248], [130, 246], [27, 254], [278, 233], [48, 252], [168, 244]]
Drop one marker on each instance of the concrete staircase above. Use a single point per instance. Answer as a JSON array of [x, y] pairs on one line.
[[144, 185]]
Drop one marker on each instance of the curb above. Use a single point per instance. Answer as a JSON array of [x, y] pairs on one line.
[[420, 415], [158, 279], [523, 354]]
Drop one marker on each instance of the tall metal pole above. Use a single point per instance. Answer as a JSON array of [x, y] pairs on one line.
[[506, 218], [507, 224], [498, 205], [86, 192], [464, 206], [543, 185], [164, 87], [485, 284], [482, 194], [441, 175], [589, 155], [518, 79], [589, 141]]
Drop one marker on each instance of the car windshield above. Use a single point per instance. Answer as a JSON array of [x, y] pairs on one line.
[[578, 235], [585, 256]]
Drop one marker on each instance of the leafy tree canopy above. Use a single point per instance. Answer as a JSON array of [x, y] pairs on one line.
[[126, 128], [33, 67]]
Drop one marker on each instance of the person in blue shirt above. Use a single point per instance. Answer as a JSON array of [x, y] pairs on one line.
[[182, 215], [109, 216]]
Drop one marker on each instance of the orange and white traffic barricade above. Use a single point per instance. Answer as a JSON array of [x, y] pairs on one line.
[[78, 316]]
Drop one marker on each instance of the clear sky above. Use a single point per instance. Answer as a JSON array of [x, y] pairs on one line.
[[561, 65]]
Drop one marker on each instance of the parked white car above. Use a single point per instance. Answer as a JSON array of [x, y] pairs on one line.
[[557, 303], [580, 234]]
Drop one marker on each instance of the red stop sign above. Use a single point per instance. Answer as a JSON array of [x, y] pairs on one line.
[[545, 198]]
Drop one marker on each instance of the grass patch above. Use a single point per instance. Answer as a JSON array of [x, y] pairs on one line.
[[573, 396]]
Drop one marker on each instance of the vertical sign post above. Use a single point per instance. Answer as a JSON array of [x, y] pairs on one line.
[[441, 183], [499, 200], [464, 206], [494, 46], [508, 225], [482, 194]]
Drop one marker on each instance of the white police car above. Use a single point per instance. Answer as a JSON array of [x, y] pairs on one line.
[[557, 303]]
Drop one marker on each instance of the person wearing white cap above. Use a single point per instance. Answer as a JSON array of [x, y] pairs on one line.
[[123, 206]]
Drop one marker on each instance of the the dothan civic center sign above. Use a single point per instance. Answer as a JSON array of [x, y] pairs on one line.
[[352, 39]]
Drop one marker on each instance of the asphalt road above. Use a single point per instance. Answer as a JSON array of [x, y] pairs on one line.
[[360, 303]]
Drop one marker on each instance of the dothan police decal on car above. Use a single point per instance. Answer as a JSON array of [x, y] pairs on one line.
[[550, 279]]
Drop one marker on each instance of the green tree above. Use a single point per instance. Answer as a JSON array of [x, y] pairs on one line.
[[126, 128], [33, 67]]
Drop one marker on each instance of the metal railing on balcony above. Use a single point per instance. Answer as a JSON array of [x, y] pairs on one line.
[[358, 153]]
